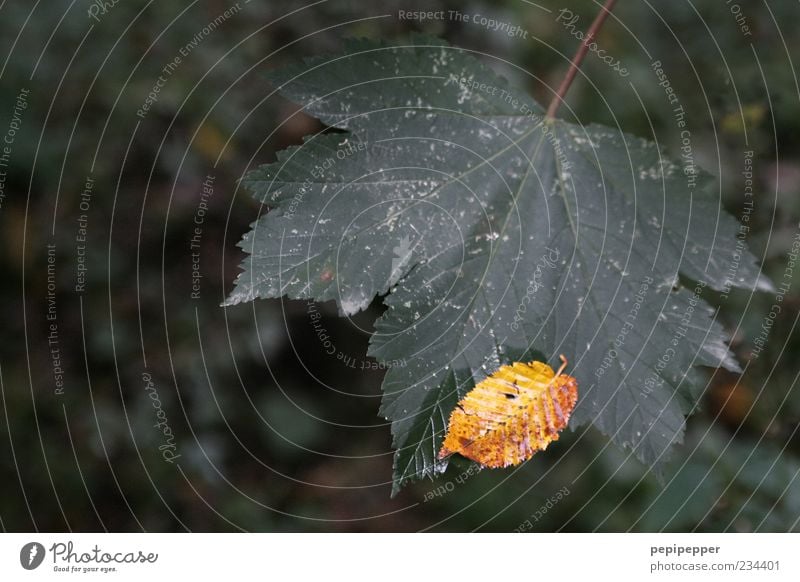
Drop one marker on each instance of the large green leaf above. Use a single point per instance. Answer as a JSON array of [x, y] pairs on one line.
[[493, 233]]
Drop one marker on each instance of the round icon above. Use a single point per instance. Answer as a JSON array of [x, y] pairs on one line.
[[31, 555]]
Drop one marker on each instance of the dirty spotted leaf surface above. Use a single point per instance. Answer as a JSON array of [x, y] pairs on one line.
[[491, 233], [512, 414]]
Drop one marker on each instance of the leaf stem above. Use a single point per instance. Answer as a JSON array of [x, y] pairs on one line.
[[578, 58]]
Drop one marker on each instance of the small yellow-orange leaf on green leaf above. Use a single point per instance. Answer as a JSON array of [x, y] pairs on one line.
[[512, 414]]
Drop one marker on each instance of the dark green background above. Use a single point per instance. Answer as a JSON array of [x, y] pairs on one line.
[[264, 444]]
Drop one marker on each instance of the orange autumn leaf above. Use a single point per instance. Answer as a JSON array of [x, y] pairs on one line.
[[512, 414]]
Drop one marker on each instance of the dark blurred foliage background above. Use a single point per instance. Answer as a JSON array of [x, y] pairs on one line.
[[274, 434]]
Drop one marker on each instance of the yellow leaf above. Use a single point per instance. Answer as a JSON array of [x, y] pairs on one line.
[[211, 142], [752, 115], [512, 414]]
